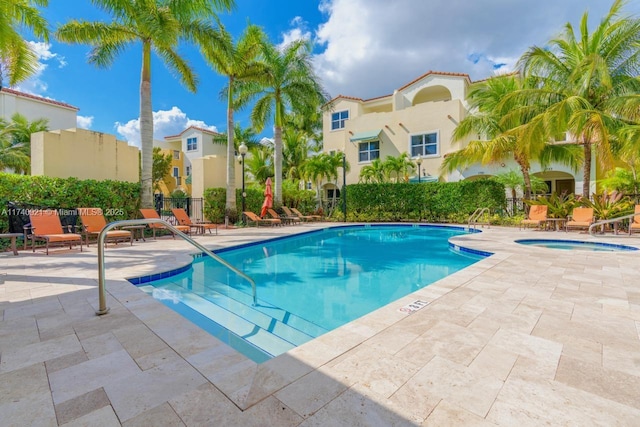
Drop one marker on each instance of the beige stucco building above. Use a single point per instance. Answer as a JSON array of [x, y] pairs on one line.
[[419, 118], [59, 114], [83, 154]]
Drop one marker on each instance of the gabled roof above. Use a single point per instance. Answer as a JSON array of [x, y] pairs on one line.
[[203, 130], [38, 98]]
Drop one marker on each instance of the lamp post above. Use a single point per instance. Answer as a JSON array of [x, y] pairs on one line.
[[419, 162], [243, 152], [344, 185]]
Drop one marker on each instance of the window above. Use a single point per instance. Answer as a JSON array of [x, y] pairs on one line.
[[188, 170], [368, 151], [176, 155], [338, 119], [192, 144], [176, 172], [424, 145]]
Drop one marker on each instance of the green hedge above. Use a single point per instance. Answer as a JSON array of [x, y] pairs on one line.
[[431, 202], [118, 200]]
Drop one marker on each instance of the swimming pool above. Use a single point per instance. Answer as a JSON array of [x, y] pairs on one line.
[[575, 244], [308, 284]]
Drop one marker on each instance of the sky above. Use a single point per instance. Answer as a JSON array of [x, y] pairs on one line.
[[361, 48]]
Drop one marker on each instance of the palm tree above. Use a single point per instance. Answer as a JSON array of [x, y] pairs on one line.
[[159, 25], [400, 165], [373, 173], [259, 163], [502, 132], [17, 60], [588, 84], [12, 156], [288, 83], [16, 136], [295, 151], [237, 63]]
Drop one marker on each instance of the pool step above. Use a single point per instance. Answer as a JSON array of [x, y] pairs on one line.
[[267, 333]]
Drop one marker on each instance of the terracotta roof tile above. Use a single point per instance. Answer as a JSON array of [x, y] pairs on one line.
[[38, 98]]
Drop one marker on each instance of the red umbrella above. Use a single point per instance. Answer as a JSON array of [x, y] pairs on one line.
[[268, 198]]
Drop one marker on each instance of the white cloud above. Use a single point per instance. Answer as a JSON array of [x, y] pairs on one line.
[[369, 48], [84, 122], [299, 31], [35, 85], [165, 123]]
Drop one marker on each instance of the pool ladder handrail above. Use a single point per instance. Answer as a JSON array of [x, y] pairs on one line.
[[473, 219], [593, 226], [102, 296]]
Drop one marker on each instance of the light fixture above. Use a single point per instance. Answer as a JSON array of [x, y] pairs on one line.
[[419, 162]]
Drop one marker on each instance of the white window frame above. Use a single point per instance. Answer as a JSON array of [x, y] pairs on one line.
[[368, 151], [340, 121], [422, 152], [194, 140]]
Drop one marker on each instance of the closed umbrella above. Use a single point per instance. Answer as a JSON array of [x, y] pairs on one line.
[[268, 198]]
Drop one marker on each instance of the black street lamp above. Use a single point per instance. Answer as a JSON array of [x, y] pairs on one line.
[[243, 152], [344, 185], [419, 162]]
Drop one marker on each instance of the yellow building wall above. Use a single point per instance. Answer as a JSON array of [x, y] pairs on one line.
[[83, 154], [169, 185], [211, 172]]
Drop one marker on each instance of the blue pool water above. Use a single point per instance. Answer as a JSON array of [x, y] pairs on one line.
[[308, 284], [575, 244]]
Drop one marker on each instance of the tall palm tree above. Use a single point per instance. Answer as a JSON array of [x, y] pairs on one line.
[[288, 83], [17, 60], [237, 62], [159, 25], [316, 169], [259, 163], [501, 132], [587, 83], [295, 151]]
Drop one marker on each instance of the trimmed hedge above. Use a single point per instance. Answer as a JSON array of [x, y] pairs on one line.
[[431, 202], [118, 200]]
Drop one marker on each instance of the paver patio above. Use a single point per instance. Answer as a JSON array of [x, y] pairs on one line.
[[528, 337]]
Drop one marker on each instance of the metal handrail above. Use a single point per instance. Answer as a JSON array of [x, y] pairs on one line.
[[476, 214], [609, 221], [103, 309]]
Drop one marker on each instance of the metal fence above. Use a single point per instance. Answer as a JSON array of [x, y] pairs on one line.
[[193, 205]]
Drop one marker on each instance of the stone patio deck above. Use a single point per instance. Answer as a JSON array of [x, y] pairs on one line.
[[528, 337]]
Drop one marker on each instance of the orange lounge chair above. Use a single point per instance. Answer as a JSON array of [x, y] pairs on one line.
[[152, 214], [93, 222], [46, 225], [537, 216], [183, 219], [580, 218], [305, 217], [251, 217], [634, 224], [284, 218]]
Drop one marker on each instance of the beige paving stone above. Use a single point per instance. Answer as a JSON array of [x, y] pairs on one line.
[[103, 417], [21, 383], [607, 383], [449, 415], [79, 379], [41, 306], [270, 412], [391, 340], [494, 361], [139, 340], [527, 345], [101, 345], [582, 349], [35, 409], [624, 360], [65, 361], [218, 410], [162, 415], [310, 393], [75, 408], [160, 357], [19, 357], [18, 332]]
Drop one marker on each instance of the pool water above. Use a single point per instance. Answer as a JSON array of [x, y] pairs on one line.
[[308, 284], [576, 244]]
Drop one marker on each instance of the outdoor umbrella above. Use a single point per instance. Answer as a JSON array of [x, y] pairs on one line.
[[268, 198]]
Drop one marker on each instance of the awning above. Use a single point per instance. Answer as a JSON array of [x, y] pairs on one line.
[[372, 135]]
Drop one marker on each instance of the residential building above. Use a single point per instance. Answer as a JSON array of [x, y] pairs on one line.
[[59, 114], [419, 118]]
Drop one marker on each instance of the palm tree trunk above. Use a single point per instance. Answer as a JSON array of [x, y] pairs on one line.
[[586, 176], [277, 165], [146, 129], [231, 170]]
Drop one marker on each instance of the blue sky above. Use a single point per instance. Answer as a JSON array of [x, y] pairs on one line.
[[362, 48]]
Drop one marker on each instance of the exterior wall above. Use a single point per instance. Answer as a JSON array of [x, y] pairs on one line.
[[83, 154], [60, 115], [211, 172]]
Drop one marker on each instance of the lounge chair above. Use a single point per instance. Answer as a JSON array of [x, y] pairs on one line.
[[537, 216], [93, 222], [285, 218], [152, 214], [304, 217], [580, 218], [45, 225], [183, 219], [252, 217], [634, 223]]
